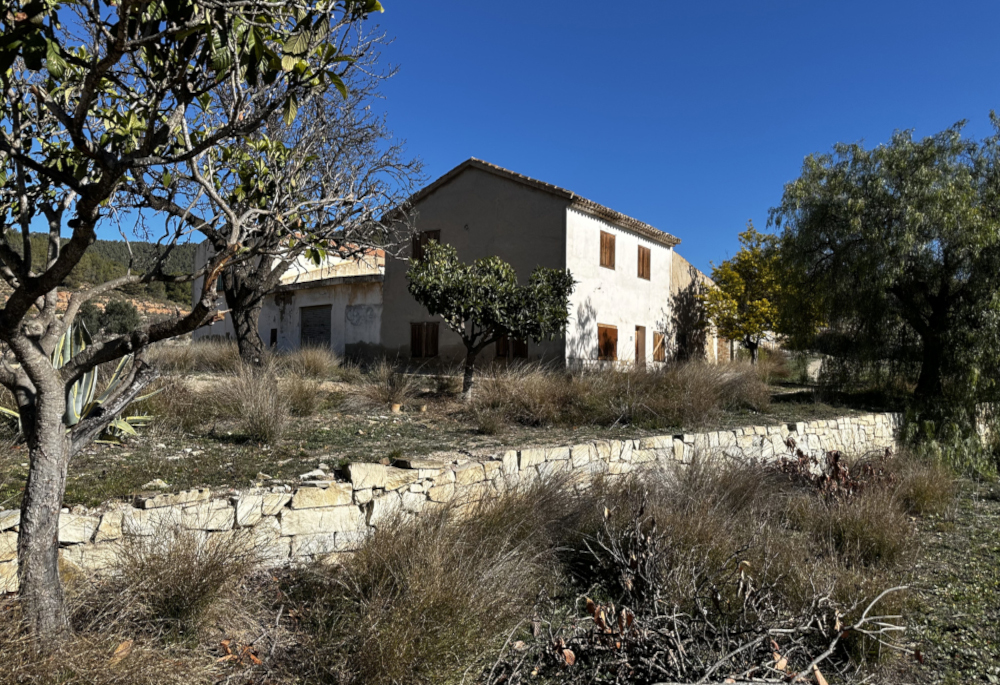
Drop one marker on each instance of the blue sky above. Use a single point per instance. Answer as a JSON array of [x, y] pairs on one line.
[[689, 116]]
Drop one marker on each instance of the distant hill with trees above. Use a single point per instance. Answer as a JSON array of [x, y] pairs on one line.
[[108, 259]]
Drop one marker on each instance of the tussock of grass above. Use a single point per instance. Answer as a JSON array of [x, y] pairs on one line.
[[302, 394], [201, 356], [689, 394], [252, 397], [311, 362], [384, 384]]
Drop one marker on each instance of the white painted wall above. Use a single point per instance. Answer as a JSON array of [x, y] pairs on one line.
[[362, 300], [613, 297]]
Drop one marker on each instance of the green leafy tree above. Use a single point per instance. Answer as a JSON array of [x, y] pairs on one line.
[[903, 240], [743, 305], [120, 93], [119, 317], [483, 302]]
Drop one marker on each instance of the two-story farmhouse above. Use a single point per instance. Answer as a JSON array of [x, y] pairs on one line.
[[621, 307], [629, 279]]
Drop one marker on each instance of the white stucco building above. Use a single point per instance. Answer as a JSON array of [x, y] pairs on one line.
[[336, 305], [620, 310]]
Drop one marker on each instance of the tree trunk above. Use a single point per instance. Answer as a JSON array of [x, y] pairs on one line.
[[246, 319], [38, 541], [754, 349], [470, 370], [929, 383]]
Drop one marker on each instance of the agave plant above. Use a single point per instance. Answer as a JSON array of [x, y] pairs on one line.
[[82, 399]]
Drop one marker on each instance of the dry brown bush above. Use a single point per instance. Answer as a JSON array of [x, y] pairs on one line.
[[251, 397], [310, 361], [689, 395], [204, 356], [430, 602], [383, 384], [302, 394]]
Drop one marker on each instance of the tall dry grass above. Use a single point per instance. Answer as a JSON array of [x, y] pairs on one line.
[[383, 383], [688, 395], [314, 362], [252, 397], [201, 356]]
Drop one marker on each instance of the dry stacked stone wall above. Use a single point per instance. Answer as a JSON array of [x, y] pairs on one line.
[[326, 515]]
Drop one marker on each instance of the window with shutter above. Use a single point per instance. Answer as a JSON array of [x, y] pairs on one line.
[[644, 262], [503, 348], [420, 241], [659, 347], [607, 343], [640, 346], [520, 349], [607, 250]]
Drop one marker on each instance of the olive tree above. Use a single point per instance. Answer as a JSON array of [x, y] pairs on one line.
[[901, 243], [483, 302], [97, 94]]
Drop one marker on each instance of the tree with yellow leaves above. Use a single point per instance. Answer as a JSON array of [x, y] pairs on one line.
[[744, 304]]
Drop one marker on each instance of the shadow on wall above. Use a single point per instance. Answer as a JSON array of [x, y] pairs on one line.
[[689, 323], [581, 341]]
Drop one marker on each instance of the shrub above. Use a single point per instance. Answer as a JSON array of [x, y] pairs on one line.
[[303, 395], [384, 384], [251, 397], [171, 581], [175, 405], [925, 487], [119, 317], [867, 529], [429, 601], [90, 315], [310, 361]]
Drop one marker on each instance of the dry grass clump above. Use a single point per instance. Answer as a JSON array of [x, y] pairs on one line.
[[204, 356], [383, 383], [433, 601], [689, 394], [310, 361], [175, 405], [251, 396], [302, 394], [925, 487]]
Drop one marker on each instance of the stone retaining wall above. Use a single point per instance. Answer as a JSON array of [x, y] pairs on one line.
[[326, 515]]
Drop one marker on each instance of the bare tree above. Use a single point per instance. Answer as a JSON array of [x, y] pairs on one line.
[[95, 93], [316, 189]]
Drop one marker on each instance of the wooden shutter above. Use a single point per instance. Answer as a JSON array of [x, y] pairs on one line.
[[416, 340], [659, 347], [607, 250], [420, 241], [640, 345], [520, 349], [431, 339], [607, 342], [644, 262], [274, 337], [503, 348]]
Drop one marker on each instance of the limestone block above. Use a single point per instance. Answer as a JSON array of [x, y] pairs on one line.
[[91, 557], [469, 473], [414, 502], [687, 438], [416, 487], [325, 520], [618, 468], [623, 448], [363, 496], [493, 469], [249, 510], [727, 439], [700, 443], [274, 502], [399, 478], [209, 516], [170, 500], [800, 427], [644, 456], [364, 475], [348, 542], [713, 439], [473, 492], [604, 451], [110, 527], [9, 519], [336, 495], [75, 529], [8, 577], [445, 476], [428, 473], [150, 521], [745, 442], [778, 445], [383, 509], [581, 454], [311, 545], [594, 467], [557, 453], [530, 457], [8, 546], [268, 542], [678, 446], [510, 462], [656, 442], [552, 468], [441, 493]]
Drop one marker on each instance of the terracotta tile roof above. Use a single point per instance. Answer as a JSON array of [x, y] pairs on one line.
[[577, 202]]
